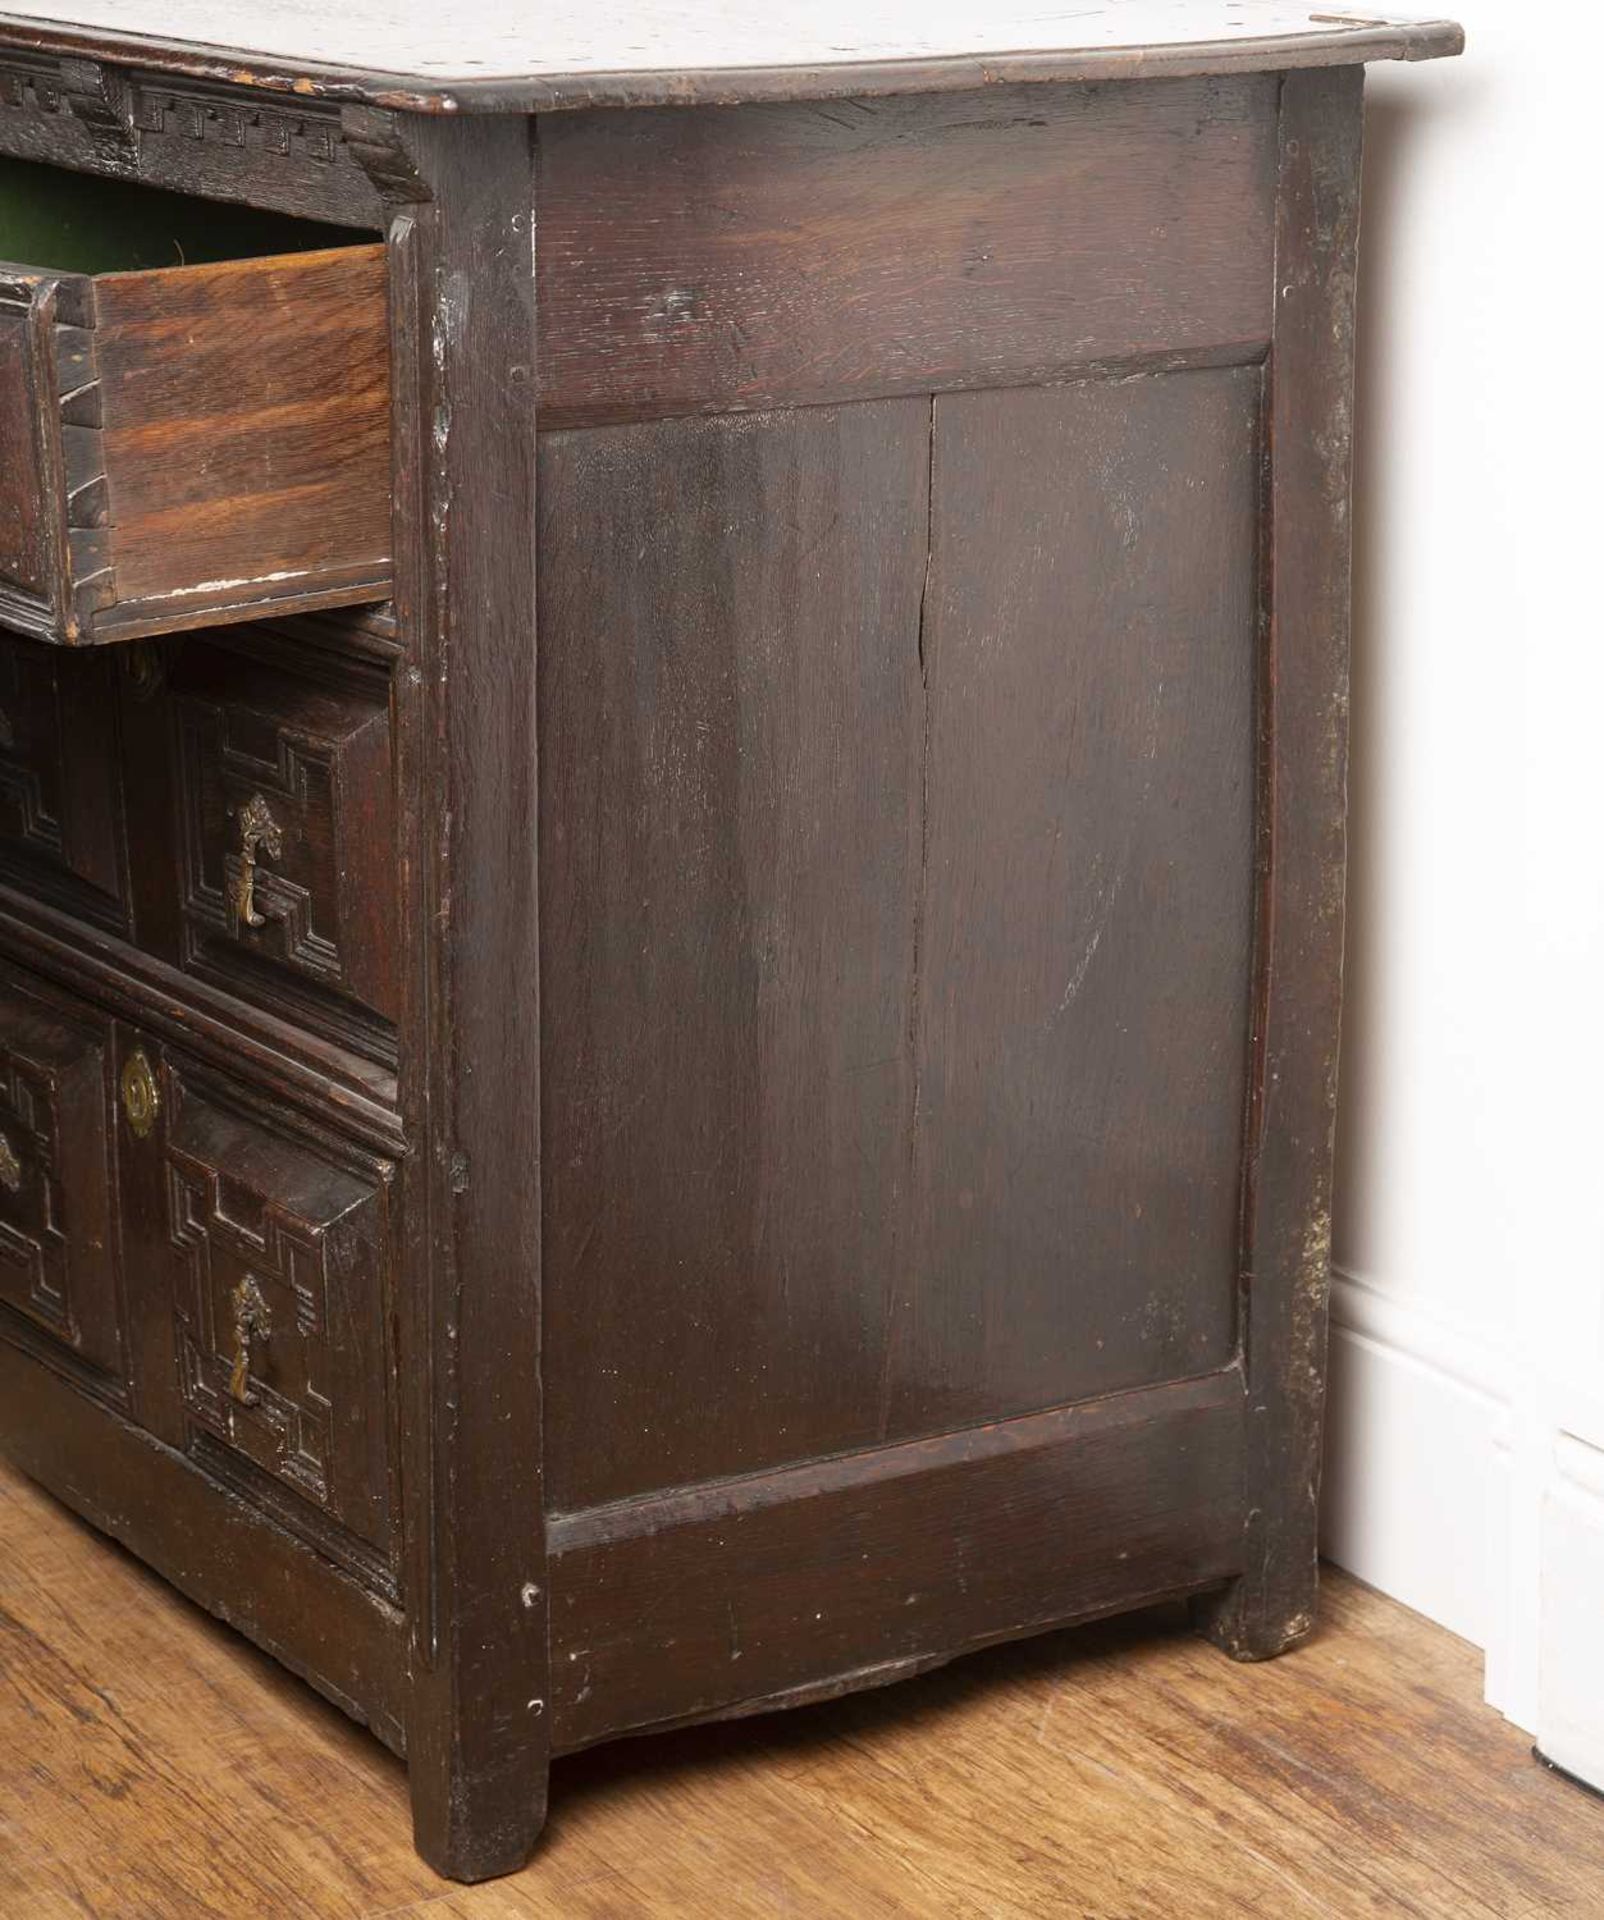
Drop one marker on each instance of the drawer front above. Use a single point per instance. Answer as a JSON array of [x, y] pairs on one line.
[[287, 839], [281, 1244], [193, 443], [57, 1258], [62, 837]]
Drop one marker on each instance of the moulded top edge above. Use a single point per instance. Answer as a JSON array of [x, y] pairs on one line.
[[487, 56]]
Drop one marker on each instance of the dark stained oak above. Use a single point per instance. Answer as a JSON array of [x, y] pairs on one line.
[[211, 1543], [727, 1095], [1302, 863], [58, 1270], [297, 1410], [846, 1573], [730, 799], [24, 544], [471, 1319], [847, 993], [63, 831], [786, 254], [283, 785], [1079, 1020]]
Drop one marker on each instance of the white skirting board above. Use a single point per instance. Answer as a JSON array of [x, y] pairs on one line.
[[1416, 1452], [1462, 1489], [1416, 1468], [1570, 1718]]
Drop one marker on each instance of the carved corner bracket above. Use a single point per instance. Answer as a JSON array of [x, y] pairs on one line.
[[375, 139]]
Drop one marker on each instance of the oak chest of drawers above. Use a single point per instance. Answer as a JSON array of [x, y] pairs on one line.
[[672, 728]]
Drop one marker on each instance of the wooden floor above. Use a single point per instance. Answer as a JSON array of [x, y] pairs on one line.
[[153, 1766]]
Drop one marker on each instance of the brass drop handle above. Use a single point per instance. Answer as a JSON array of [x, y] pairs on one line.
[[251, 1322], [259, 833], [10, 1166]]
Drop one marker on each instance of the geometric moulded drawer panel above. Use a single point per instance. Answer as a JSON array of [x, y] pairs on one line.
[[57, 1262], [281, 1246]]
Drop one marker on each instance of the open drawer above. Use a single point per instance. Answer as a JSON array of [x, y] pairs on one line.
[[187, 443]]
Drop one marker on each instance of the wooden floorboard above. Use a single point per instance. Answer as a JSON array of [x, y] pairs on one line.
[[154, 1767]]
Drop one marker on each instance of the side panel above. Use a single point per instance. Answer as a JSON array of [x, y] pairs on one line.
[[898, 859]]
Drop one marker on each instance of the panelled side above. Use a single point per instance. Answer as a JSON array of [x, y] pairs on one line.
[[899, 757]]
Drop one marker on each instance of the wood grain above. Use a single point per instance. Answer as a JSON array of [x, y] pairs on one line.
[[246, 435], [1120, 1770], [787, 254], [214, 444], [853, 876], [1080, 1015], [730, 786], [24, 547], [478, 1727], [828, 1577], [1302, 860]]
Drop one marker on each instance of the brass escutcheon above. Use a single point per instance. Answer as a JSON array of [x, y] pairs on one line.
[[251, 1322], [142, 1098], [10, 1167], [259, 833]]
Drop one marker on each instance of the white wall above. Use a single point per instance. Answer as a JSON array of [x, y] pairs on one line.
[[1463, 1471]]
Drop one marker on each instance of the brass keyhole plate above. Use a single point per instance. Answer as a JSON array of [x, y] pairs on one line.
[[142, 1098]]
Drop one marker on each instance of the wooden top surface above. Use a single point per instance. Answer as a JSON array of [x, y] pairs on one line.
[[537, 54]]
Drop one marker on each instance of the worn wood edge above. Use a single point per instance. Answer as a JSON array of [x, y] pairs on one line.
[[888, 1673], [142, 619], [21, 613], [75, 1449], [321, 1079], [1224, 354], [1284, 1299], [1426, 39], [478, 1714], [247, 268], [654, 1513], [36, 299], [772, 1540]]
